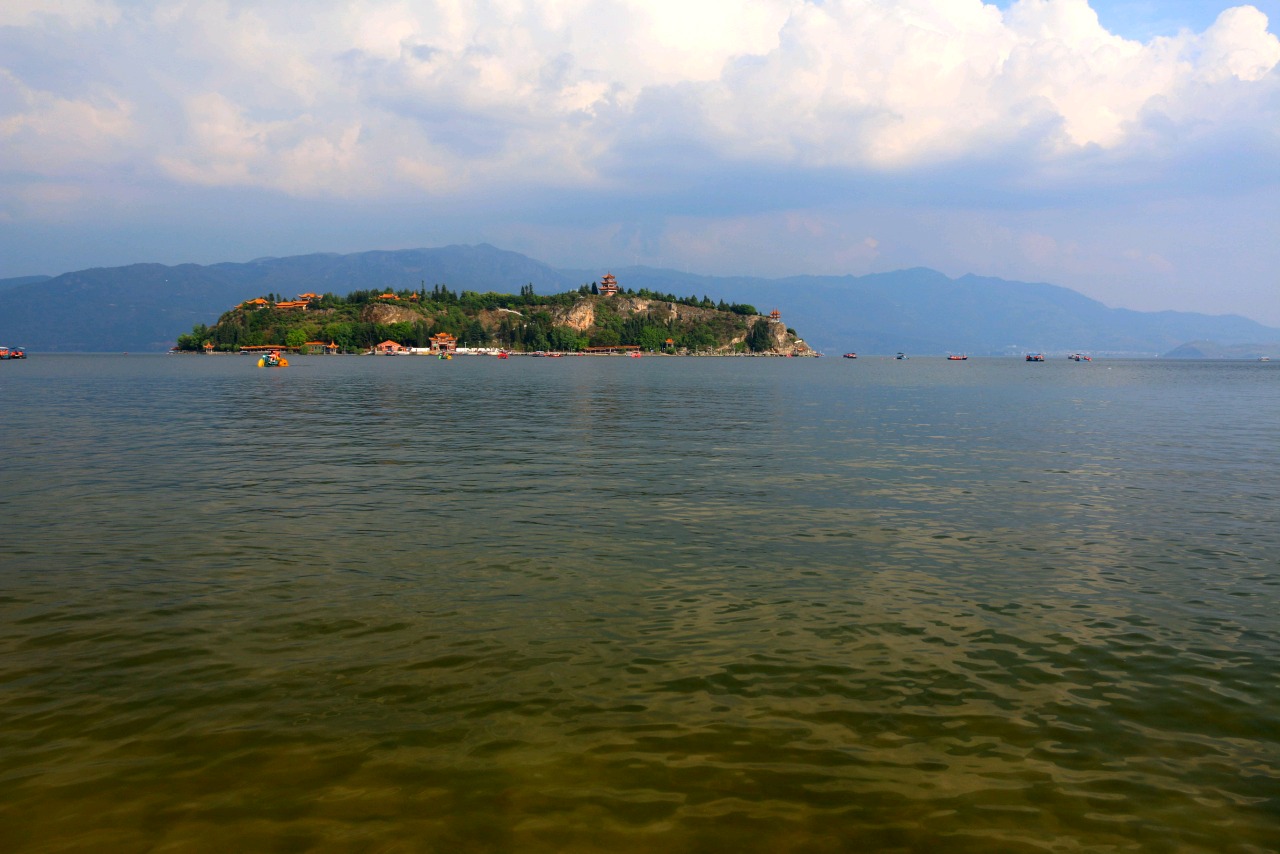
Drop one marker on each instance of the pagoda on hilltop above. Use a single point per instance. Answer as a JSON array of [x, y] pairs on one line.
[[775, 316], [608, 285]]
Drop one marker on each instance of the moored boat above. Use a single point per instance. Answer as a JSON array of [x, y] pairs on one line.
[[851, 355]]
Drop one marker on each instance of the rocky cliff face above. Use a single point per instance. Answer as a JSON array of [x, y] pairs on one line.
[[579, 317], [584, 315], [782, 341], [385, 313]]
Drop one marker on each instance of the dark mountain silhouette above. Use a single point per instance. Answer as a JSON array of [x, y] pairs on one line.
[[22, 280], [923, 311], [144, 307]]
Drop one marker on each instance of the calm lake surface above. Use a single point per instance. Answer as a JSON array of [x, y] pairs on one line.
[[634, 605]]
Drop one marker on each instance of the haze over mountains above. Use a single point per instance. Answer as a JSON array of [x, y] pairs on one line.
[[144, 307]]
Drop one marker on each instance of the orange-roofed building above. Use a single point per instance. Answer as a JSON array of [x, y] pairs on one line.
[[775, 316], [608, 285], [388, 296], [387, 348], [318, 348], [444, 342], [256, 303], [308, 296], [291, 305]]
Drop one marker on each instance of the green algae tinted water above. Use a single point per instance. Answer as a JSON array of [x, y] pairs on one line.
[[679, 605]]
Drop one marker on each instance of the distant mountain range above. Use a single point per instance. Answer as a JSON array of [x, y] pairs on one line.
[[144, 307]]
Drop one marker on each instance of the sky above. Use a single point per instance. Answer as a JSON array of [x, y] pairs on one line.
[[1129, 150]]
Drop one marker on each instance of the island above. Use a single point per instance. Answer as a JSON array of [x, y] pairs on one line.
[[597, 318]]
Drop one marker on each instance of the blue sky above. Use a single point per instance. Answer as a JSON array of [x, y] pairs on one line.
[[1126, 149], [1145, 19]]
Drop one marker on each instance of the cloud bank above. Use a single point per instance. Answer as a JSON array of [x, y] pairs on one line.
[[681, 132]]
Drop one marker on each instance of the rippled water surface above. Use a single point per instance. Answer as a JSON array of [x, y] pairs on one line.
[[678, 605]]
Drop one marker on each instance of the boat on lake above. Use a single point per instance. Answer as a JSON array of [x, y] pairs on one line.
[[1035, 357], [1080, 357], [273, 359], [900, 356], [957, 358], [850, 355]]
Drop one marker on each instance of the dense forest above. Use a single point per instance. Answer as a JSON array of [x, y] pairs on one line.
[[567, 322]]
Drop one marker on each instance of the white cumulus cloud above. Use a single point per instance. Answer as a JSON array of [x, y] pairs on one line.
[[561, 92]]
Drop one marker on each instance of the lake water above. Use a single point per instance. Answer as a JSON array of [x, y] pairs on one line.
[[634, 605]]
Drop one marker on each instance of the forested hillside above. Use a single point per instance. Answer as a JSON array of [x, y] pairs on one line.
[[569, 322]]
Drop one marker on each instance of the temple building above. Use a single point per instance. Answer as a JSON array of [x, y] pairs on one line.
[[443, 342], [608, 285]]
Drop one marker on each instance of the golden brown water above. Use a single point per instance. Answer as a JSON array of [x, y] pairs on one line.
[[637, 605]]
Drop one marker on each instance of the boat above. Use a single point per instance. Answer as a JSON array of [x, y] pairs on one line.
[[4, 353], [445, 356], [503, 354], [1035, 357], [1080, 357], [850, 355], [634, 355], [900, 356], [955, 358], [273, 359]]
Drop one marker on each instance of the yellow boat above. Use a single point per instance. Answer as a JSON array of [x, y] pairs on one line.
[[273, 360]]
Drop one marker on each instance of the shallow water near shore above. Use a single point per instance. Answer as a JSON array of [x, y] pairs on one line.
[[608, 604]]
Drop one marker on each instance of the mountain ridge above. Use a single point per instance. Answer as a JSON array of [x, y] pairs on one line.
[[145, 306]]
